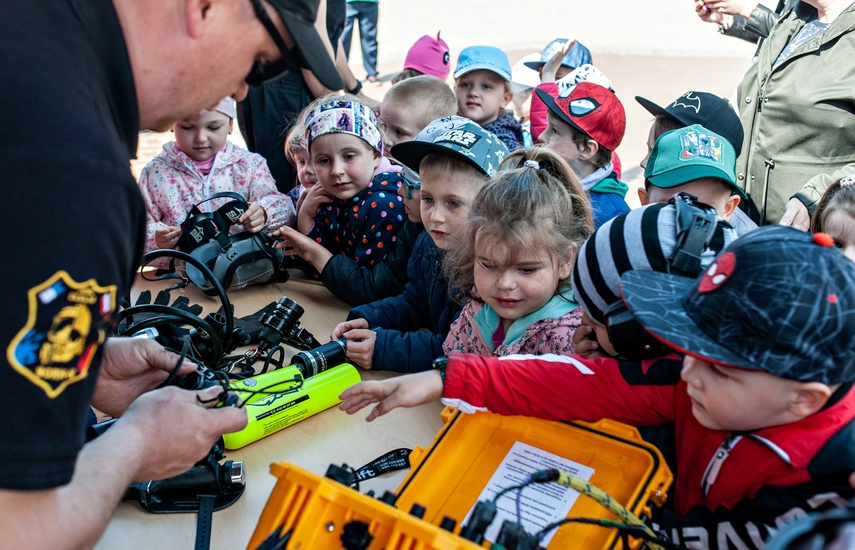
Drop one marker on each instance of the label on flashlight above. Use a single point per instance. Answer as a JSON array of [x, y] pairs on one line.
[[270, 412], [281, 408]]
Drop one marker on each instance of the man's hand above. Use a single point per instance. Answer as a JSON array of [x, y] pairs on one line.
[[167, 237], [163, 434], [254, 218], [733, 7], [175, 428], [796, 215], [132, 367], [402, 391], [708, 15]]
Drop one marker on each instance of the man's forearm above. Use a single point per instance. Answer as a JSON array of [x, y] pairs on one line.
[[75, 515]]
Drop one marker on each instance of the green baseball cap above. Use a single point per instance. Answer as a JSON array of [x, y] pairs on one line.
[[687, 154]]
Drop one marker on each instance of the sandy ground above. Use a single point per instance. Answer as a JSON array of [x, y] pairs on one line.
[[657, 49]]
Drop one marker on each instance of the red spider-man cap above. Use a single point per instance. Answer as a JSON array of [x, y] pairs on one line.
[[591, 109]]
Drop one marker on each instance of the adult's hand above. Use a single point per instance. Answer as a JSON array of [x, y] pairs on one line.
[[163, 434], [176, 428], [733, 7], [709, 15], [132, 367], [796, 215]]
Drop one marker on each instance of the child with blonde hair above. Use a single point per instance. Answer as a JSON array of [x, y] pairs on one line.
[[835, 215], [515, 258], [482, 84], [410, 105], [404, 333], [353, 211], [200, 162], [297, 154]]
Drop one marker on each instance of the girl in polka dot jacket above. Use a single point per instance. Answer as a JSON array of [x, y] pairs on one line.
[[352, 210]]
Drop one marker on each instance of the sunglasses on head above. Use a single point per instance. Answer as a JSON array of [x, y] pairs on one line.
[[410, 185], [262, 73]]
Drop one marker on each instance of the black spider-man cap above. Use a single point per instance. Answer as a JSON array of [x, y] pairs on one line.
[[778, 300]]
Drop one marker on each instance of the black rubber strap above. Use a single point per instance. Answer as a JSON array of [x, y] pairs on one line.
[[203, 525], [399, 459]]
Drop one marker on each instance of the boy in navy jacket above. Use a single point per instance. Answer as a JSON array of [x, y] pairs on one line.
[[409, 329]]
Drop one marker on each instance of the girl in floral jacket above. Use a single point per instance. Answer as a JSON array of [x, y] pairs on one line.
[[200, 162]]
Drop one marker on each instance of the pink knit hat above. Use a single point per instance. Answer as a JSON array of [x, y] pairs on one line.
[[429, 56]]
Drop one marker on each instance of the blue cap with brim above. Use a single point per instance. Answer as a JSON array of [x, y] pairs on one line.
[[486, 58]]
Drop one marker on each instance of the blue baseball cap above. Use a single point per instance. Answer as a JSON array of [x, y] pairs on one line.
[[487, 58], [577, 56]]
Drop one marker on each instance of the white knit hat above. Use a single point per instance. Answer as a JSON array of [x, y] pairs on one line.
[[226, 106]]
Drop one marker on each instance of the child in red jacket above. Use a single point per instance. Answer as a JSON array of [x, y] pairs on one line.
[[763, 401]]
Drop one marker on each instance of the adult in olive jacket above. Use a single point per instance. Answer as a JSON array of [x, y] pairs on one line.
[[798, 113]]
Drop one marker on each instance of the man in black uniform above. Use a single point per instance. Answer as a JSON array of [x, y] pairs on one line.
[[79, 79]]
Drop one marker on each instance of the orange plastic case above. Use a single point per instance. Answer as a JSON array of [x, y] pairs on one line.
[[448, 477], [319, 509]]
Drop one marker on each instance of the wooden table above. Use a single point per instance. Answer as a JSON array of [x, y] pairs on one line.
[[329, 437]]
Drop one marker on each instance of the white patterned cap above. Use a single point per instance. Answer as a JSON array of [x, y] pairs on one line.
[[341, 116]]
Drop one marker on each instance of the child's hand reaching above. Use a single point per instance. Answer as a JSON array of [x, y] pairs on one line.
[[167, 236], [360, 341], [254, 218], [550, 69], [402, 391]]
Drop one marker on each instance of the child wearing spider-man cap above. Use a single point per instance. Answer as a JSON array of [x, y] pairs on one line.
[[585, 124], [762, 401]]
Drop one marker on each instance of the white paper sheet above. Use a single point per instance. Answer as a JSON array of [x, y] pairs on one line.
[[541, 503]]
